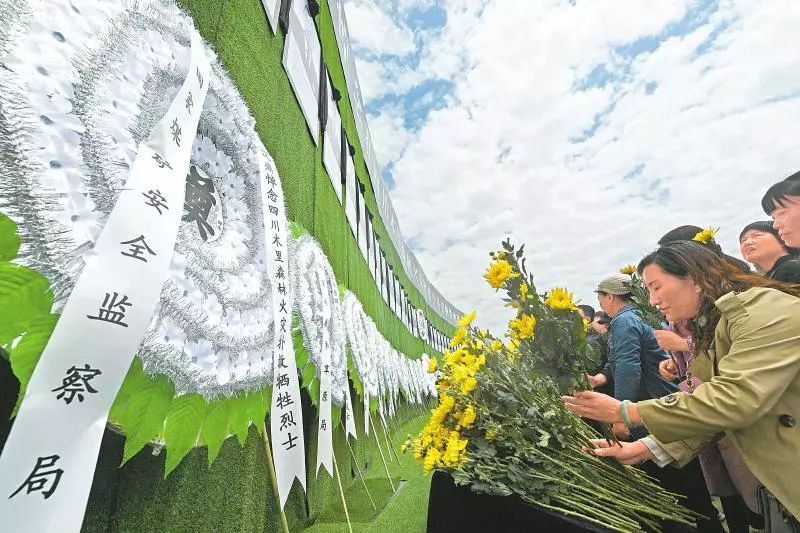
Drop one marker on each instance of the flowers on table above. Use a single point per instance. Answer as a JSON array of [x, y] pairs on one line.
[[501, 427]]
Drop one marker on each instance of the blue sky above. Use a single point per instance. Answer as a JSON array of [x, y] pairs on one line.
[[584, 129]]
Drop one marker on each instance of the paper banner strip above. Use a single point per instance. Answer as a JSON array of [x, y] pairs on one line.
[[325, 431], [286, 415], [49, 460]]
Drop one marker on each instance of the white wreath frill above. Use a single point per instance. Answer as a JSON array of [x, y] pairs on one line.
[[359, 328], [313, 275]]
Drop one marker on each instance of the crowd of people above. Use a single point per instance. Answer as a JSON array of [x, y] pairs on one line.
[[716, 392]]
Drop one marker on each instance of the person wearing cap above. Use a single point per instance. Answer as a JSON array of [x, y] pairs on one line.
[[633, 352], [761, 244], [782, 203], [633, 363]]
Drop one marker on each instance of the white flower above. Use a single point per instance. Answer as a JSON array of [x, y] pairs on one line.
[[201, 353]]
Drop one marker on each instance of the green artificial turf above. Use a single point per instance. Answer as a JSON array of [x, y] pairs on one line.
[[403, 511]]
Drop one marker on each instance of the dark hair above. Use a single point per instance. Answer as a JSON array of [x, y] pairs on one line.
[[778, 194], [767, 226], [604, 318], [688, 233], [588, 310], [715, 276]]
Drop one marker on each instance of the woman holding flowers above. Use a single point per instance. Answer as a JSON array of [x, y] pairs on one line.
[[746, 332]]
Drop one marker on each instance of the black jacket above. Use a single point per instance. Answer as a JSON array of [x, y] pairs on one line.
[[786, 269]]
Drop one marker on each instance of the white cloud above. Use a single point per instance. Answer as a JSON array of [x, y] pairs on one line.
[[389, 134], [707, 134], [373, 28]]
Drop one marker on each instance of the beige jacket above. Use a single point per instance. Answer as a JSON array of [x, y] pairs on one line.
[[752, 393]]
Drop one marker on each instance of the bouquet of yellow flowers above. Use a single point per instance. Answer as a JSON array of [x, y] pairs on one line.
[[501, 427]]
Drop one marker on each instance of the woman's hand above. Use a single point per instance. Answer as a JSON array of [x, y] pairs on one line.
[[671, 341], [621, 431], [597, 380], [667, 369], [627, 453], [594, 405]]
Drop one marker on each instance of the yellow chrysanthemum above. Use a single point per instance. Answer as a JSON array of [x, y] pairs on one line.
[[419, 453], [432, 459], [468, 385], [459, 337], [466, 320], [454, 452], [523, 292], [629, 270], [468, 417], [498, 272], [560, 299], [497, 345], [432, 365], [706, 236], [447, 403], [522, 327], [512, 349]]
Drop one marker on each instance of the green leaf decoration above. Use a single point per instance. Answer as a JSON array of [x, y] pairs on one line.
[[27, 352], [313, 391], [143, 421], [239, 417], [9, 240], [215, 428], [308, 375], [297, 229], [352, 372], [134, 381], [24, 295], [257, 407], [336, 415], [182, 428]]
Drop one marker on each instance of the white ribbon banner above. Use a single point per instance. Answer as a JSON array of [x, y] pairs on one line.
[[49, 460], [324, 438], [349, 423], [286, 414]]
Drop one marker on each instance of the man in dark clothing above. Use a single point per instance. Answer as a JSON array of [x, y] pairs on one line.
[[633, 351]]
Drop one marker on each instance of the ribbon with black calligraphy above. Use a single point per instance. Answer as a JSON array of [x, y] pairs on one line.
[[49, 460], [324, 435], [286, 414]]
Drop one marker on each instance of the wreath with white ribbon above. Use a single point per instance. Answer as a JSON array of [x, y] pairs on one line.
[[358, 327], [317, 297], [83, 84]]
